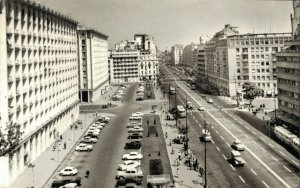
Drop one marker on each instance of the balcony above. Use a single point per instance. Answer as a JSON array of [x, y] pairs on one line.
[[10, 79], [18, 107], [23, 48], [25, 104], [10, 110], [17, 32], [17, 77], [9, 31], [10, 63], [24, 76], [23, 61], [10, 94], [18, 92]]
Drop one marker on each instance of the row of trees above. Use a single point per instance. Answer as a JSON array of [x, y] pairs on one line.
[[10, 139]]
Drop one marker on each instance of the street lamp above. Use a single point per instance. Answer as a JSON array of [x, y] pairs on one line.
[[30, 165], [186, 126]]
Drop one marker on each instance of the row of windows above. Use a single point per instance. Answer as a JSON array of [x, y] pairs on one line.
[[289, 105], [289, 82], [288, 71], [288, 93], [258, 41], [289, 59]]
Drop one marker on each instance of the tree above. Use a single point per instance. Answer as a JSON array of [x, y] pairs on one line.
[[250, 91], [11, 140]]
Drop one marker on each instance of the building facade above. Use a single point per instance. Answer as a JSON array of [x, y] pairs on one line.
[[93, 64], [288, 77], [200, 70], [189, 55], [134, 61], [232, 59], [176, 54], [39, 79]]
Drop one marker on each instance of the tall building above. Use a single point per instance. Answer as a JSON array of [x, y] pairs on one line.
[[176, 54], [288, 77], [134, 61], [200, 69], [93, 64], [38, 80], [232, 59], [189, 55]]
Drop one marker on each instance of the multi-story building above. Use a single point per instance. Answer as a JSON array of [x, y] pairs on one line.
[[93, 64], [38, 80], [189, 55], [231, 59], [288, 77], [134, 61], [200, 63], [176, 54]]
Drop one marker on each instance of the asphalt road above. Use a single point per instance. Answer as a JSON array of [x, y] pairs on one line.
[[107, 154], [267, 163]]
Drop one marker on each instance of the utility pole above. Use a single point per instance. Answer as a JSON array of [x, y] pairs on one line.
[[176, 104], [169, 98], [205, 174]]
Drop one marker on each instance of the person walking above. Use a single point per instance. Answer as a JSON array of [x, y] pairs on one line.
[[179, 155], [87, 174], [177, 172]]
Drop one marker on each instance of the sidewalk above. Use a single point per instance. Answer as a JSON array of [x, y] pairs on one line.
[[49, 160], [187, 177]]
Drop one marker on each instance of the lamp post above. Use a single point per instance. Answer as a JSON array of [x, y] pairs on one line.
[[30, 165], [205, 174], [186, 126], [169, 98]]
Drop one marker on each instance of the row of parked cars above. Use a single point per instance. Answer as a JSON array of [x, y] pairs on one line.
[[120, 93], [140, 92], [70, 180], [129, 172]]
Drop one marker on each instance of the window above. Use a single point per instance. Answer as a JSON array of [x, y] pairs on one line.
[[258, 70], [263, 78], [253, 71], [252, 49], [268, 70], [262, 63], [268, 77], [262, 70], [238, 77], [253, 56], [238, 70], [262, 56], [258, 77], [237, 50], [238, 63], [266, 49], [267, 63]]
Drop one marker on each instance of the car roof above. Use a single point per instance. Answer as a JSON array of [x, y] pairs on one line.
[[134, 152]]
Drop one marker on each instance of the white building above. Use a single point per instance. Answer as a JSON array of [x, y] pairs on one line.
[[38, 80], [134, 61], [176, 54], [232, 59], [93, 64]]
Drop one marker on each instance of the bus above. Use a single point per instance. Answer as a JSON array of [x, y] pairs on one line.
[[172, 90], [135, 120], [284, 135], [180, 110], [296, 144]]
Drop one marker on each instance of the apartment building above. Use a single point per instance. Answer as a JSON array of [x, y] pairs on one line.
[[38, 80], [288, 77], [200, 70], [176, 54], [232, 59], [189, 55], [93, 64], [134, 60]]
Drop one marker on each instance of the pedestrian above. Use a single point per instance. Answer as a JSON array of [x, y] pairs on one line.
[[76, 127], [71, 126], [197, 164], [172, 152], [179, 155], [190, 164], [65, 145], [87, 174], [166, 132], [177, 172]]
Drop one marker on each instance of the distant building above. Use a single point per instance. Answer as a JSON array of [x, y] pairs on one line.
[[39, 79], [189, 55], [93, 64], [176, 54], [134, 61], [232, 59], [200, 70], [288, 77]]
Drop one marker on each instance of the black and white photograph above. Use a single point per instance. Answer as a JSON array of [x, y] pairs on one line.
[[149, 93]]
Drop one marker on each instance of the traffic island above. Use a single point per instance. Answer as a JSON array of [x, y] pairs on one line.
[[155, 164]]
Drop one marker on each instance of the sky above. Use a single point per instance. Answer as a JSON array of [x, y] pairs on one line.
[[175, 21]]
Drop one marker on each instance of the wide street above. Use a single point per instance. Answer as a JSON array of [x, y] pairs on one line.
[[267, 163]]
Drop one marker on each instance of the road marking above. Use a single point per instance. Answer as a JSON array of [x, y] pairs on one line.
[[274, 158], [263, 149], [212, 127], [282, 153], [232, 167], [222, 137], [200, 125], [265, 184], [212, 141], [251, 152], [253, 171], [217, 132], [253, 132], [240, 122], [242, 179], [247, 128], [295, 162], [262, 138], [228, 144], [271, 145], [287, 169], [218, 148], [224, 157], [246, 136]]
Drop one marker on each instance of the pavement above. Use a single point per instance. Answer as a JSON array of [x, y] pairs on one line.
[[186, 177], [50, 159]]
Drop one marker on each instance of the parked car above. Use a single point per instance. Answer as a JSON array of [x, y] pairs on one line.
[[137, 114], [135, 135], [84, 147], [136, 129], [201, 108], [209, 100], [88, 140], [64, 181], [124, 182], [132, 156], [129, 164], [97, 126], [91, 135], [69, 185], [93, 132], [130, 173], [116, 97], [104, 119], [68, 171], [133, 145], [237, 145]]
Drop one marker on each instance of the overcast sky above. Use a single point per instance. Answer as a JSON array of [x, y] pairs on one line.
[[176, 21]]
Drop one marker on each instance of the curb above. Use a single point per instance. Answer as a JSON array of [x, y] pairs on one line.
[[68, 153]]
